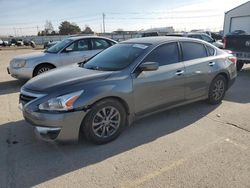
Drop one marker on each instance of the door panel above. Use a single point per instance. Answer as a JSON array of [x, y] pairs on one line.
[[198, 73], [155, 89], [198, 68]]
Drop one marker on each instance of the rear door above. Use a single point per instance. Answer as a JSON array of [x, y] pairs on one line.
[[198, 68], [99, 44], [165, 86]]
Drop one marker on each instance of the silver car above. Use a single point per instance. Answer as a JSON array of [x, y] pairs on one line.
[[125, 82], [69, 51]]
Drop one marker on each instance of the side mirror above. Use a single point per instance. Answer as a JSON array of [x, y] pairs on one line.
[[149, 66], [67, 50]]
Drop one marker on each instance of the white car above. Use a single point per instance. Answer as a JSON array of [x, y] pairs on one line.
[[68, 51]]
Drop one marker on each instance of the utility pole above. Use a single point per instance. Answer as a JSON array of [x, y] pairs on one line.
[[37, 28], [103, 22]]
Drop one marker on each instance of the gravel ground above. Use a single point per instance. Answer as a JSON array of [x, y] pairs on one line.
[[197, 145]]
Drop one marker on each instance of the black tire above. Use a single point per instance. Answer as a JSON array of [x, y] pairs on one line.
[[216, 92], [239, 65], [42, 68], [92, 118]]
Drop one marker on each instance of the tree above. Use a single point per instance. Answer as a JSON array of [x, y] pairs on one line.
[[48, 27], [67, 28], [87, 30]]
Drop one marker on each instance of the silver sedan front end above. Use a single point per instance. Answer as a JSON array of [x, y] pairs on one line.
[[19, 69]]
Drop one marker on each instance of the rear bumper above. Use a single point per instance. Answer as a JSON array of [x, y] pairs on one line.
[[20, 73], [63, 127]]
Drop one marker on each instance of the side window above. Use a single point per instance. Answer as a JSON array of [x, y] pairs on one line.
[[211, 51], [207, 38], [192, 50], [99, 44], [164, 54], [80, 45]]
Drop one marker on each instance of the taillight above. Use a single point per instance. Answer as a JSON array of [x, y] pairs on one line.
[[233, 59], [225, 43]]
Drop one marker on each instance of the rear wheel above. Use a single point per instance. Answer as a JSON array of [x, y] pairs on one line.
[[217, 90], [104, 122], [42, 68], [239, 65]]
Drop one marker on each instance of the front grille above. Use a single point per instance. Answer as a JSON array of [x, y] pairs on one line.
[[25, 98]]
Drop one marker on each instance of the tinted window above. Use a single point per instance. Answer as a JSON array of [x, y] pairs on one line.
[[192, 50], [99, 44], [80, 45], [210, 50], [116, 57], [164, 54], [207, 38]]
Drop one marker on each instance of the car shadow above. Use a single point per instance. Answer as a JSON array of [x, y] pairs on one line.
[[11, 86], [240, 91], [29, 161]]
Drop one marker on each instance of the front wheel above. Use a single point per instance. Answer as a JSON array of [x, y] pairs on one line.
[[104, 122], [42, 68], [217, 90]]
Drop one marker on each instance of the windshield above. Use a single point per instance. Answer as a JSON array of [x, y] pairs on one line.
[[59, 46], [116, 57]]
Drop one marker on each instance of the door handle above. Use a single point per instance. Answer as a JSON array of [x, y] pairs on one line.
[[179, 72], [211, 64]]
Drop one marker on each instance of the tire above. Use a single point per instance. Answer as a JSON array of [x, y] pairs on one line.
[[42, 68], [217, 90], [239, 65], [100, 130]]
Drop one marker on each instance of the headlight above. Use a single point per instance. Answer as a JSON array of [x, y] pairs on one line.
[[19, 63], [61, 103]]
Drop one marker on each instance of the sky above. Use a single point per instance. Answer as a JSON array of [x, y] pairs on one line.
[[27, 17]]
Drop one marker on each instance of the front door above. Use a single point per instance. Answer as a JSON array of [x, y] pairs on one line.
[[165, 86]]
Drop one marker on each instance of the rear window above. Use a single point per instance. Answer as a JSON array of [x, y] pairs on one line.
[[211, 51], [192, 50]]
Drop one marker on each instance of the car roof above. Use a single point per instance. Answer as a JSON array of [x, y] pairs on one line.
[[90, 36], [160, 39]]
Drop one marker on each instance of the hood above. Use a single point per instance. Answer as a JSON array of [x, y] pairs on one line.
[[62, 77], [31, 55]]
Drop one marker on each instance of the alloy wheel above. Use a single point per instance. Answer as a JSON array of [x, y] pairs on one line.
[[106, 122], [218, 90]]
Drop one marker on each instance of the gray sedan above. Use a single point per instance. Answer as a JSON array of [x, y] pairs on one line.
[[125, 82], [69, 51]]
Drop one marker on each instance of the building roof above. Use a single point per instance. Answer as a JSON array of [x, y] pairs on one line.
[[237, 7]]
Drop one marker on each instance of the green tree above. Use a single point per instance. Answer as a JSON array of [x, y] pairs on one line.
[[67, 28], [87, 30]]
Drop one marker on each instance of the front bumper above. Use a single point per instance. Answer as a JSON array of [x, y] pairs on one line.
[[20, 73], [63, 127]]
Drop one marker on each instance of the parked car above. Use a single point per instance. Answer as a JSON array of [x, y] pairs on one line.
[[49, 44], [125, 82], [69, 51], [16, 42], [201, 36], [1, 42], [240, 46], [19, 42]]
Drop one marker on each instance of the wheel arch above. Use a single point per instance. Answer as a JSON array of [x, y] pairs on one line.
[[42, 64]]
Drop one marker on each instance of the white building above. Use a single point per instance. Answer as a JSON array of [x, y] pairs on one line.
[[237, 18]]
